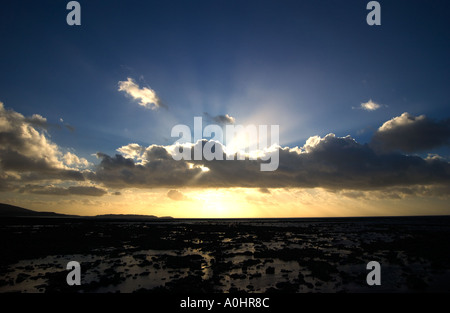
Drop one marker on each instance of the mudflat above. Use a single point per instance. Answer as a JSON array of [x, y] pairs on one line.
[[323, 255]]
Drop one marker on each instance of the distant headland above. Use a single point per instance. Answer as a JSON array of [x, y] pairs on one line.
[[7, 210]]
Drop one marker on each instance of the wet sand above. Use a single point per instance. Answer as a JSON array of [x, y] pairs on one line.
[[226, 256]]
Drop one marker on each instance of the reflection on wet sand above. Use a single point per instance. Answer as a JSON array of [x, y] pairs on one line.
[[290, 255]]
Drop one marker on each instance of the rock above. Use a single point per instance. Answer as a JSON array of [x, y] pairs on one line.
[[21, 277]]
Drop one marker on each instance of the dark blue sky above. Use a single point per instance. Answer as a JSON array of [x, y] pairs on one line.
[[305, 65]]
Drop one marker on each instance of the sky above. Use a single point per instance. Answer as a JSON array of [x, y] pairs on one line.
[[363, 112]]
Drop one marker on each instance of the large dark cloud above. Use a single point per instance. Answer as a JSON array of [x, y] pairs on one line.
[[410, 133], [35, 168], [27, 154], [330, 162]]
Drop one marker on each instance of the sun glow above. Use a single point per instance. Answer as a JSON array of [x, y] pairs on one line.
[[200, 166]]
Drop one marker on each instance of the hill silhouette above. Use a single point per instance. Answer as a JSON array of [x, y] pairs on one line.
[[15, 211], [8, 210], [129, 216]]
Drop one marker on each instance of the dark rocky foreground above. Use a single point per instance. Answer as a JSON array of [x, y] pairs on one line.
[[204, 256]]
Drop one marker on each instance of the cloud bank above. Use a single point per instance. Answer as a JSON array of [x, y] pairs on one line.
[[31, 162], [410, 133], [330, 162], [62, 191]]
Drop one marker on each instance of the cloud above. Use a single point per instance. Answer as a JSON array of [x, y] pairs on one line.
[[29, 158], [20, 139], [132, 150], [330, 162], [146, 96], [71, 159], [27, 153], [37, 120], [68, 126], [402, 192], [369, 106], [353, 194], [175, 195], [62, 191], [32, 169], [434, 156], [410, 133], [220, 119]]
